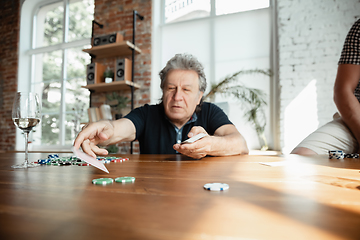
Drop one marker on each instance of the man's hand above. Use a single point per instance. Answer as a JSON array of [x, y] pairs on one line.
[[225, 142], [93, 134], [197, 149]]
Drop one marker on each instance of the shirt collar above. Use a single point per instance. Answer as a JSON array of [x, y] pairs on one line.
[[191, 120]]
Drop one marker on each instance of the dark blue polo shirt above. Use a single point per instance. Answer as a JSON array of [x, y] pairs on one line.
[[157, 135]]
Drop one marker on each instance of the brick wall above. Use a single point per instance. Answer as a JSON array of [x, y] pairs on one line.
[[117, 16], [9, 38], [311, 34]]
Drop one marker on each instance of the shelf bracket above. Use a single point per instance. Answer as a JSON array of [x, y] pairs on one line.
[[135, 14]]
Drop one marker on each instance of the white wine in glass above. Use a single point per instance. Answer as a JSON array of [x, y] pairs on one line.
[[26, 114]]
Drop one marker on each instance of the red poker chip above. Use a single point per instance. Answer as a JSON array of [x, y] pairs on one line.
[[84, 164], [117, 160]]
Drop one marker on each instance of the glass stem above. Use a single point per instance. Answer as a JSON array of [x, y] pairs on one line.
[[26, 147]]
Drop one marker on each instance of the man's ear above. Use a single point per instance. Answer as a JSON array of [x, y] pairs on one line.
[[200, 96]]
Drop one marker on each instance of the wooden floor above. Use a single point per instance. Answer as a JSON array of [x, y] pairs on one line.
[[299, 198]]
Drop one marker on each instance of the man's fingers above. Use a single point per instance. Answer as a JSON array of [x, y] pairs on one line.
[[196, 130], [87, 148]]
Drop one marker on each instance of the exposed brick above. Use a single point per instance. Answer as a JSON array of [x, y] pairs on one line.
[[9, 29]]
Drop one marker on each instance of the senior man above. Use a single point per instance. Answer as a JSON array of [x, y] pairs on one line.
[[181, 114]]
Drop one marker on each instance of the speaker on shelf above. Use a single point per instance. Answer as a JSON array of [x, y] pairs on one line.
[[107, 39], [122, 69], [94, 73]]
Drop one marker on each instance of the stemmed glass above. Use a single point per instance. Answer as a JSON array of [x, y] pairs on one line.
[[26, 114]]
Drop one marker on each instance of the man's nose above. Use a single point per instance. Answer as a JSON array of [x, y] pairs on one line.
[[178, 95]]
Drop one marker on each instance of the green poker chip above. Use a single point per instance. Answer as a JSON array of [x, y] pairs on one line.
[[103, 181], [125, 179]]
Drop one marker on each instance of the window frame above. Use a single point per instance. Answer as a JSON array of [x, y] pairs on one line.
[[27, 55]]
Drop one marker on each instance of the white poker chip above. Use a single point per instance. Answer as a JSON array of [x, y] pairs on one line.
[[216, 186]]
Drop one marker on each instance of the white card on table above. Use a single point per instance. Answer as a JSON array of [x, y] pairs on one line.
[[87, 158], [194, 138]]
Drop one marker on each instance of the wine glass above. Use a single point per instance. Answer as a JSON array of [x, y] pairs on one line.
[[26, 114]]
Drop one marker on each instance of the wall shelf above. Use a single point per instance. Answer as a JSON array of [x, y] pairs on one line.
[[113, 86], [112, 50]]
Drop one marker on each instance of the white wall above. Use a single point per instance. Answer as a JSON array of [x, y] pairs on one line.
[[310, 38]]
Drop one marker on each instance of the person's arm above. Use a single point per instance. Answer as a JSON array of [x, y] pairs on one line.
[[226, 141], [104, 133], [347, 79]]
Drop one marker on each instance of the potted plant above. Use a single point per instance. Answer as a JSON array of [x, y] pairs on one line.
[[117, 102], [108, 75], [253, 99]]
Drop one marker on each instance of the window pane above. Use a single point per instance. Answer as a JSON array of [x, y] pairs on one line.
[[233, 6], [76, 98], [50, 129], [180, 10], [47, 84], [81, 15], [49, 25]]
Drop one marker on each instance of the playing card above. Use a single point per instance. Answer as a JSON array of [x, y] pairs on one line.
[[87, 158], [194, 138]]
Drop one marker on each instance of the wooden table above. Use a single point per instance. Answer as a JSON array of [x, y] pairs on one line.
[[303, 198]]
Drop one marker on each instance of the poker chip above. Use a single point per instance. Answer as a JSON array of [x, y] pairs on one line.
[[352, 155], [117, 160], [103, 181], [125, 179], [65, 163], [216, 186], [336, 154], [83, 164], [105, 161]]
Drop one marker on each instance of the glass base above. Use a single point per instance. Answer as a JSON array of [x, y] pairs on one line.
[[26, 165]]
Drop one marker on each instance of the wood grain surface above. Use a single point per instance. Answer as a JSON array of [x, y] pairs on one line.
[[301, 198]]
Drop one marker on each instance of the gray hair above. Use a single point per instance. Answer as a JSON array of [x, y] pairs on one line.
[[184, 61]]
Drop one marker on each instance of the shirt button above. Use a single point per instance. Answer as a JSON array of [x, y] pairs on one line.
[[178, 141]]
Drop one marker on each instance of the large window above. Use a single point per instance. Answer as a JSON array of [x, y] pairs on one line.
[[226, 36], [61, 29], [180, 10]]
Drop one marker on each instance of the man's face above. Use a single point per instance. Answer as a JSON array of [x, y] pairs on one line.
[[181, 95]]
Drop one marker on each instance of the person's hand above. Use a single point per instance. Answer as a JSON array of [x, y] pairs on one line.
[[93, 134], [197, 149]]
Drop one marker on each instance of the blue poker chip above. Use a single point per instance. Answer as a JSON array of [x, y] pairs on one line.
[[216, 186], [336, 154]]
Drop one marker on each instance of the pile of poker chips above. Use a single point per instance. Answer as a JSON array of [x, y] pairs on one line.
[[338, 154], [55, 160]]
